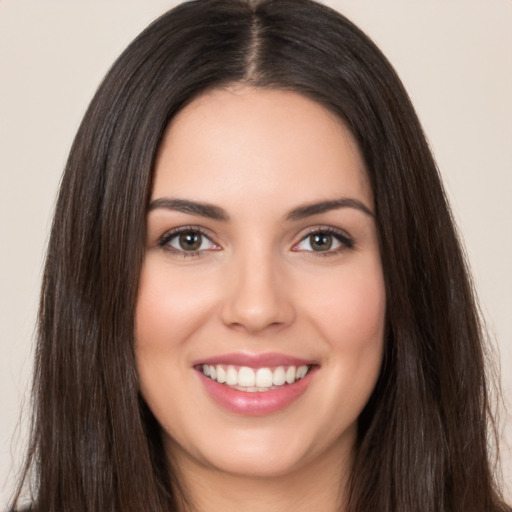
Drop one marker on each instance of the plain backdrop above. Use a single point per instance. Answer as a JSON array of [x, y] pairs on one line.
[[454, 57]]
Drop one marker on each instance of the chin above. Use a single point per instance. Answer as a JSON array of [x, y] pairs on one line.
[[271, 451]]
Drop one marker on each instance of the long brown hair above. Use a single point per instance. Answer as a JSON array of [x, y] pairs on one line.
[[95, 446]]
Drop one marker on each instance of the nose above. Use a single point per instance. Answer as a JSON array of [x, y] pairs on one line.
[[258, 296]]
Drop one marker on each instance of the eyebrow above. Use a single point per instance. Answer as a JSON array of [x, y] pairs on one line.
[[215, 212], [193, 207], [309, 210]]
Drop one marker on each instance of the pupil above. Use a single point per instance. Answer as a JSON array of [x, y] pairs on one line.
[[321, 242], [190, 241]]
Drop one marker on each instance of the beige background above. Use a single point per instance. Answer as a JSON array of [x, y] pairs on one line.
[[454, 56]]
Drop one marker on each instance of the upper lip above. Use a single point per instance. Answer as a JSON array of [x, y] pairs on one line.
[[268, 359]]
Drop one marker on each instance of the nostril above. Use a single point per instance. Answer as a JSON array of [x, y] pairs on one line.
[[255, 318], [254, 328]]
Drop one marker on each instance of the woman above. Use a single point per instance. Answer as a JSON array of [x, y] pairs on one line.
[[254, 294]]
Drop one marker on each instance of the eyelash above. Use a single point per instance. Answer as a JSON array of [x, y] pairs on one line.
[[345, 240], [164, 242]]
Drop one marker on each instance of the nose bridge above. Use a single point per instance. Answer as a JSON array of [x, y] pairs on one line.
[[256, 295]]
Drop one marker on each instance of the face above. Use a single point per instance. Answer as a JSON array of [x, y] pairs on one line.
[[260, 314]]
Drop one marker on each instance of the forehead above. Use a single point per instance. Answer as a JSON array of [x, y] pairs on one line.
[[262, 142]]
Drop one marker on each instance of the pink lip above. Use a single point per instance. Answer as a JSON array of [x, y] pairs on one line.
[[255, 403], [268, 359]]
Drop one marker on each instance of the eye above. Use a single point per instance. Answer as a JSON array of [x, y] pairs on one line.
[[325, 241], [187, 240]]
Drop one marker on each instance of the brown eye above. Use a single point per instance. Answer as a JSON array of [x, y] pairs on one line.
[[321, 241], [187, 242], [326, 241], [190, 241]]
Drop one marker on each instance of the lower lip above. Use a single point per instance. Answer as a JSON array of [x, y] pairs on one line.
[[255, 403]]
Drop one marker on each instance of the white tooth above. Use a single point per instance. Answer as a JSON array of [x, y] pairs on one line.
[[279, 376], [264, 378], [221, 374], [231, 376], [213, 372], [251, 389], [246, 377], [290, 375], [206, 370], [301, 372]]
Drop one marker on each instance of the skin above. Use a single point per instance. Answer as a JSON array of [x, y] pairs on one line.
[[257, 286]]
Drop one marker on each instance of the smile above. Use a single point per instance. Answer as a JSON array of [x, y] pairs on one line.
[[255, 384], [249, 379]]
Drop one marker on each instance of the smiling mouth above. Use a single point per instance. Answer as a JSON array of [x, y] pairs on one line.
[[244, 378]]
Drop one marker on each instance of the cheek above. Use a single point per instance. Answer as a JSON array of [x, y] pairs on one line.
[[169, 306], [350, 306], [349, 312], [169, 311]]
